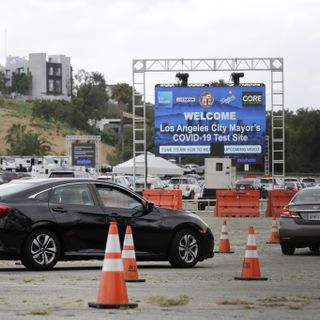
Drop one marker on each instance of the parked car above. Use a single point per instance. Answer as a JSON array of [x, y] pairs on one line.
[[7, 176], [69, 173], [300, 221], [251, 184], [43, 221], [292, 186], [152, 183], [295, 180], [192, 168], [190, 186], [308, 182], [266, 182]]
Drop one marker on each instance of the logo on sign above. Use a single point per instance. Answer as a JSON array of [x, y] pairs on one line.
[[206, 99], [251, 98]]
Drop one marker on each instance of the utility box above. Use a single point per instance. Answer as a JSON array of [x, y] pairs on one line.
[[218, 174]]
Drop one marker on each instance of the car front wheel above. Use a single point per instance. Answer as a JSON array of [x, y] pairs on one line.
[[185, 249], [287, 249], [41, 250]]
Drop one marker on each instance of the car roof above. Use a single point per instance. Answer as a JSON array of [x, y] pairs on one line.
[[52, 182]]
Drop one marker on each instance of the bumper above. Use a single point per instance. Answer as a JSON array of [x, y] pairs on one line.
[[207, 244], [298, 235]]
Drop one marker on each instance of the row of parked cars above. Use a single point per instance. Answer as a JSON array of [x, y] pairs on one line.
[[266, 183]]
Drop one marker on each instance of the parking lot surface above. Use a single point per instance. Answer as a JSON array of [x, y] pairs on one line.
[[207, 291]]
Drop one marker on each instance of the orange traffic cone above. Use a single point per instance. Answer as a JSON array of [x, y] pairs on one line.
[[113, 291], [274, 236], [251, 265], [129, 258], [224, 245]]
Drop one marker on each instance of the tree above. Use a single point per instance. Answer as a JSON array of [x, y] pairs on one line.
[[21, 83], [3, 81], [122, 93], [22, 142], [91, 90]]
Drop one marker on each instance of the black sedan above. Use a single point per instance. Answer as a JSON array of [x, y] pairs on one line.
[[300, 222], [43, 221]]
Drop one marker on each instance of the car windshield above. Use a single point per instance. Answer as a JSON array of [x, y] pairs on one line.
[[175, 181], [307, 196], [308, 180], [263, 180]]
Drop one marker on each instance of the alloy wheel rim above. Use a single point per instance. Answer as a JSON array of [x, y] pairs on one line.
[[188, 248], [43, 249]]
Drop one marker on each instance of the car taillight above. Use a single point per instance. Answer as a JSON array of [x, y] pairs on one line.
[[287, 213], [188, 188], [4, 210]]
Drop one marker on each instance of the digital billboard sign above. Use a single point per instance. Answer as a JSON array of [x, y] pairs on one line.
[[192, 120], [83, 154]]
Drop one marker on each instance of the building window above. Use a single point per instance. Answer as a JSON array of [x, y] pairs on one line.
[[54, 78], [50, 86]]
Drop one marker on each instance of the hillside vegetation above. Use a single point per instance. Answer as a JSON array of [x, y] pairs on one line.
[[12, 111]]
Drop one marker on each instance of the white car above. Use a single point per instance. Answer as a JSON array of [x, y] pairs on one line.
[[190, 186], [192, 168], [267, 183]]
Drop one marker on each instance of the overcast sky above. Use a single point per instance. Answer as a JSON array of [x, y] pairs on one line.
[[105, 35]]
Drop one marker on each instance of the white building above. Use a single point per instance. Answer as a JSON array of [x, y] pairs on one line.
[[51, 77]]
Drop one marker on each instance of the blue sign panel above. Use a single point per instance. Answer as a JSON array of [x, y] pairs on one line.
[[191, 120]]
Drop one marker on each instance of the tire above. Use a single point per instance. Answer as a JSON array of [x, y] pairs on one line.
[[185, 249], [314, 248], [287, 249], [41, 250], [191, 195]]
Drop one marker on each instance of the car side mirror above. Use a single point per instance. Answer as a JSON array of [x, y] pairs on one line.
[[149, 206]]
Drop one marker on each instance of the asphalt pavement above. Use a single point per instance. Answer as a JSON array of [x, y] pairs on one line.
[[207, 291]]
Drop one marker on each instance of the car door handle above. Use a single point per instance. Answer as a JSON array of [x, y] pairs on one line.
[[59, 209]]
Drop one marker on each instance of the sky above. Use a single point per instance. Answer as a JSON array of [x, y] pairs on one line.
[[106, 35]]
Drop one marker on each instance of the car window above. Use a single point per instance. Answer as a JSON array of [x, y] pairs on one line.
[[78, 194], [175, 181], [191, 181], [111, 197], [43, 196], [307, 196], [310, 180]]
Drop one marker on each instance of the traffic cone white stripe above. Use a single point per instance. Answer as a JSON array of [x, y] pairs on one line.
[[113, 243], [224, 236], [112, 265], [128, 241], [251, 240], [251, 254], [128, 254]]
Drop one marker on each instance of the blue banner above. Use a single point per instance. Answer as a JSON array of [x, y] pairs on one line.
[[191, 120]]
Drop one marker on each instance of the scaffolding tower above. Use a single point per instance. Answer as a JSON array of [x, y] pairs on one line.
[[140, 67]]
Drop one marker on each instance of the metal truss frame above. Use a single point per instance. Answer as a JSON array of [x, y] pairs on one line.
[[273, 65]]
